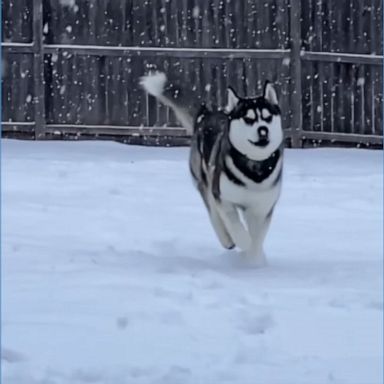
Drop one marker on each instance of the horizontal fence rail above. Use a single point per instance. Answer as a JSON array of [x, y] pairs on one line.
[[59, 82], [335, 57]]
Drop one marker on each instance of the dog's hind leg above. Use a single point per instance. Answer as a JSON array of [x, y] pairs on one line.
[[216, 221], [218, 225]]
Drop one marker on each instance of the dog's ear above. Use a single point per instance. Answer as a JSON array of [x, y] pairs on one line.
[[270, 93], [232, 100]]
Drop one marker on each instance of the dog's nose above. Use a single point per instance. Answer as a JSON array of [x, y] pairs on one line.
[[263, 132]]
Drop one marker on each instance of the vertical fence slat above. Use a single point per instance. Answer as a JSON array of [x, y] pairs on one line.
[[38, 68], [331, 68], [378, 94], [340, 97], [296, 72]]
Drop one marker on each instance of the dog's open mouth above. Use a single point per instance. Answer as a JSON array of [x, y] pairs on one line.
[[263, 142]]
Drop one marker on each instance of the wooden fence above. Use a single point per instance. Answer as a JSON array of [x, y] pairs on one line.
[[71, 67]]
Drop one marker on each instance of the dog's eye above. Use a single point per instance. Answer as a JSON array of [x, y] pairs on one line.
[[266, 115], [248, 121]]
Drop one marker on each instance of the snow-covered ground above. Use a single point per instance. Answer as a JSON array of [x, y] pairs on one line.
[[111, 273]]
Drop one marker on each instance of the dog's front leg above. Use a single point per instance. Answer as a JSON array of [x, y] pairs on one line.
[[235, 227], [258, 225]]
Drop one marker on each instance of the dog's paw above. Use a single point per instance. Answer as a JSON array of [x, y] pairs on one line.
[[254, 259], [243, 240]]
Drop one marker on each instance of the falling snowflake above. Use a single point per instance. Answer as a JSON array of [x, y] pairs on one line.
[[196, 12], [360, 81], [68, 3]]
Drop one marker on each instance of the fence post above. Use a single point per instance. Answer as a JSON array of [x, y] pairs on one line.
[[296, 72], [38, 68]]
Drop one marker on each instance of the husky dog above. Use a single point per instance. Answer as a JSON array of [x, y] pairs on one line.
[[236, 161]]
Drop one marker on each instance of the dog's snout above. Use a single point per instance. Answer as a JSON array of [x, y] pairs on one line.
[[263, 132]]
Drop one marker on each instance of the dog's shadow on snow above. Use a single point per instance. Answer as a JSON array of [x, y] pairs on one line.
[[175, 257], [198, 257]]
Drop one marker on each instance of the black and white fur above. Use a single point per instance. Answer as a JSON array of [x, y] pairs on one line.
[[236, 161]]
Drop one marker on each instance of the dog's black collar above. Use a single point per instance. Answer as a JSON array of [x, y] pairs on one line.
[[256, 170]]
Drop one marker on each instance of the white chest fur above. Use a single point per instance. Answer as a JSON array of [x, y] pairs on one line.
[[260, 197]]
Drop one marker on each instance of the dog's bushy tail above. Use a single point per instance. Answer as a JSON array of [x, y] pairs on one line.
[[173, 96]]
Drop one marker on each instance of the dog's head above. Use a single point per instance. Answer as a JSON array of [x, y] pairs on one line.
[[255, 127]]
